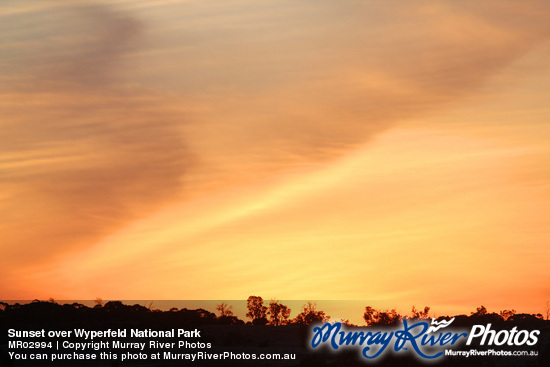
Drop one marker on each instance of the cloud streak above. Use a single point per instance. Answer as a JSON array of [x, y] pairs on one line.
[[114, 112], [82, 153], [60, 45], [308, 82]]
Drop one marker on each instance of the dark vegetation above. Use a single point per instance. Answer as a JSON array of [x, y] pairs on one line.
[[275, 313], [268, 328]]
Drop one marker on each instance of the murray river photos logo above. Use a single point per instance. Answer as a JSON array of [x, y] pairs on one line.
[[422, 339]]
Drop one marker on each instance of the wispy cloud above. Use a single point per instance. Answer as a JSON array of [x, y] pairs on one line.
[[309, 81], [61, 45], [82, 153], [109, 112]]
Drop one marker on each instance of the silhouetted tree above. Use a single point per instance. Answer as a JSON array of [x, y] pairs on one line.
[[480, 311], [506, 314], [369, 315], [347, 322], [256, 309], [310, 315], [225, 309], [278, 313], [375, 317], [420, 315], [98, 302]]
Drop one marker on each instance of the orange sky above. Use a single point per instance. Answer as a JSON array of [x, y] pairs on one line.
[[309, 150]]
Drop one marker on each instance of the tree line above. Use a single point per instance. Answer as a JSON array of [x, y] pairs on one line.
[[273, 313], [278, 314]]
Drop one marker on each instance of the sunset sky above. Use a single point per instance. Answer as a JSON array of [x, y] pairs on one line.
[[316, 150]]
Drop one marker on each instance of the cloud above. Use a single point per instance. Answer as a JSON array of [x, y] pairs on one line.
[[61, 45], [112, 109], [83, 153], [308, 82]]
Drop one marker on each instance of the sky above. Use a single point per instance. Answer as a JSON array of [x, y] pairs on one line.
[[394, 152]]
